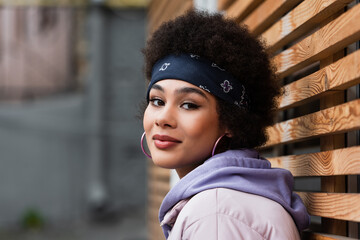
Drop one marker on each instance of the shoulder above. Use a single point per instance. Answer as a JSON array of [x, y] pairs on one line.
[[229, 211]]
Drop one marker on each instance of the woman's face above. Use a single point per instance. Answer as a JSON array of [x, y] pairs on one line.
[[181, 125]]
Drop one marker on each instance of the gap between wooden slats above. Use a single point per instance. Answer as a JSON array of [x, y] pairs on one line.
[[329, 39], [338, 119], [267, 13], [344, 161], [300, 20], [343, 206], [337, 76], [323, 236], [241, 9]]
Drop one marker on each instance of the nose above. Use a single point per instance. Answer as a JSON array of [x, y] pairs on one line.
[[166, 118]]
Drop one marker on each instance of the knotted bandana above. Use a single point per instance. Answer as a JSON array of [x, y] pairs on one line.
[[203, 73]]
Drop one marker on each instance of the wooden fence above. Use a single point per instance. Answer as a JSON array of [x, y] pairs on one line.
[[315, 46]]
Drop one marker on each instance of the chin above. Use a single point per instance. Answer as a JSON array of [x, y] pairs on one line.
[[164, 165], [164, 161]]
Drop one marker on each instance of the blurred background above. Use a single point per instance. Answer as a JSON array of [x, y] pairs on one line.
[[71, 86], [71, 82]]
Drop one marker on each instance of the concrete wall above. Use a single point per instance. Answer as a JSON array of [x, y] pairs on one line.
[[126, 89], [45, 144]]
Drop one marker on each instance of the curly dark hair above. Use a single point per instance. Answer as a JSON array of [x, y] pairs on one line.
[[232, 47]]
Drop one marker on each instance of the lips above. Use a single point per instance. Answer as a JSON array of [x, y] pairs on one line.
[[164, 141]]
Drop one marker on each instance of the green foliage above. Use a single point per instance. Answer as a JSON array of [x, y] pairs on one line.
[[32, 219]]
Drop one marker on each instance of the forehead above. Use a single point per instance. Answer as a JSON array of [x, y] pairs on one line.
[[172, 83], [180, 87]]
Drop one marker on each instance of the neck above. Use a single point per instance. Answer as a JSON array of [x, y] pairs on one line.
[[181, 172]]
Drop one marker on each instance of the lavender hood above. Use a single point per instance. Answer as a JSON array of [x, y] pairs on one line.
[[241, 170]]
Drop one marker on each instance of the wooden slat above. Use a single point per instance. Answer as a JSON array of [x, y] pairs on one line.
[[168, 12], [323, 236], [155, 230], [171, 10], [337, 76], [159, 173], [153, 213], [338, 119], [154, 18], [153, 224], [329, 39], [155, 199], [241, 9], [152, 7], [300, 20], [343, 206], [267, 13], [224, 4], [344, 161], [161, 187]]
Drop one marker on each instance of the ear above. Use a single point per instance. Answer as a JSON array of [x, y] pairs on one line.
[[228, 133]]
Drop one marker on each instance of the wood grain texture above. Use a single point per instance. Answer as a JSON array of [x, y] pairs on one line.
[[155, 231], [155, 200], [160, 187], [224, 4], [323, 236], [159, 173], [154, 15], [337, 76], [327, 40], [333, 184], [241, 9], [267, 13], [167, 10], [303, 18], [345, 161], [343, 206], [152, 7], [338, 119]]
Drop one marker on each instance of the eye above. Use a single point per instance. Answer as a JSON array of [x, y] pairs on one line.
[[157, 102], [189, 106]]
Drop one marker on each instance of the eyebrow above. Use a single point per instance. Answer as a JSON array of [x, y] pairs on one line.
[[190, 90], [182, 90], [157, 87]]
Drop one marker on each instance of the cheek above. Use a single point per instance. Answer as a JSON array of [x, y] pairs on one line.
[[147, 120], [204, 127]]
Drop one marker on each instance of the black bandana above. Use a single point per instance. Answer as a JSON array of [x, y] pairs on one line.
[[202, 73]]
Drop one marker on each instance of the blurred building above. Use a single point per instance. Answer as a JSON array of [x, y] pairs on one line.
[[71, 83]]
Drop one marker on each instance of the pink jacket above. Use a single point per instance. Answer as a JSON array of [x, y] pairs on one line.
[[225, 214]]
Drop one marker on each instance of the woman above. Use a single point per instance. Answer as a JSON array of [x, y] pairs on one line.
[[212, 93]]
